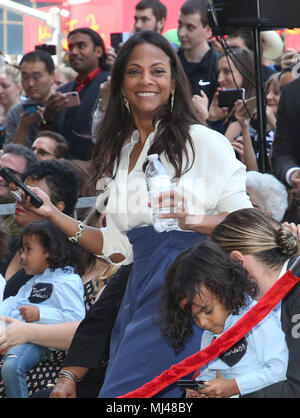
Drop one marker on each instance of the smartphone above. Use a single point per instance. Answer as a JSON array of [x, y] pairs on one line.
[[191, 384], [8, 176], [227, 98], [251, 104], [117, 39], [29, 107], [73, 99]]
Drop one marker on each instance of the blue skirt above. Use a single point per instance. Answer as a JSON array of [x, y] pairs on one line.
[[138, 350]]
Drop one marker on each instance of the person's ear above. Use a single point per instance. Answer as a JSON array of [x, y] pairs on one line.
[[237, 255], [60, 205], [161, 24], [99, 51]]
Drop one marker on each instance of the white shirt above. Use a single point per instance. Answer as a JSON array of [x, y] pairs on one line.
[[214, 184]]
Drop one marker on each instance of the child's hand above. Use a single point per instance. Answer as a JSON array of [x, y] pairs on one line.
[[29, 313], [220, 387], [194, 394]]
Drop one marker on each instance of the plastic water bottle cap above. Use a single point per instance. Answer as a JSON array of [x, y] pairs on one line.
[[153, 157]]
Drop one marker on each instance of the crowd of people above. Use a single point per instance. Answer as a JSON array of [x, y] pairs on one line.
[[102, 298]]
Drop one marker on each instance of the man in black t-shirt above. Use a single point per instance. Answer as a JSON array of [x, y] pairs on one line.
[[199, 60]]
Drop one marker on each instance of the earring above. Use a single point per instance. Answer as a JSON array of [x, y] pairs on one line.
[[172, 100], [126, 104]]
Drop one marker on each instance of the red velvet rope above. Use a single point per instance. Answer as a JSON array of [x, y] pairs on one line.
[[251, 318]]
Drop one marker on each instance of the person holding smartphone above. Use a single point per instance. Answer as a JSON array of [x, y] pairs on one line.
[[230, 76], [24, 119], [87, 55], [235, 75]]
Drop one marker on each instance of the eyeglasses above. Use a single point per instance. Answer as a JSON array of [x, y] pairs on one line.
[[42, 152]]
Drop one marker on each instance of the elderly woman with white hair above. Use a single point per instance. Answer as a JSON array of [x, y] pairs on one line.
[[267, 193]]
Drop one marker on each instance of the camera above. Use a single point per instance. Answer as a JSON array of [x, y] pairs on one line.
[[9, 177], [227, 98], [51, 49], [117, 39]]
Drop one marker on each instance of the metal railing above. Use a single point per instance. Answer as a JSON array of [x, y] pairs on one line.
[[82, 202]]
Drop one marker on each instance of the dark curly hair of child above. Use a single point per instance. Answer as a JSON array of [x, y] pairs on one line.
[[204, 264], [62, 252]]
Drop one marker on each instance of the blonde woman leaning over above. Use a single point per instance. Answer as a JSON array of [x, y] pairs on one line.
[[267, 249]]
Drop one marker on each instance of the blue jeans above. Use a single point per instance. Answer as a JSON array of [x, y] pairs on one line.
[[16, 362]]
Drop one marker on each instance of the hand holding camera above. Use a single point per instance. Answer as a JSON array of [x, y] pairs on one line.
[[8, 176]]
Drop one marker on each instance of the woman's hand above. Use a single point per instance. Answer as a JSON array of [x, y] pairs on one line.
[[175, 206], [15, 334], [215, 112], [27, 119], [111, 56], [47, 207], [238, 146], [241, 114], [288, 58], [271, 118], [64, 388], [104, 91], [200, 103], [56, 103]]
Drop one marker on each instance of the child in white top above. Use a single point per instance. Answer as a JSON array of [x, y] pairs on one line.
[[54, 294], [207, 286]]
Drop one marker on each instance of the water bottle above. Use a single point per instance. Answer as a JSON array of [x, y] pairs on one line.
[[158, 180]]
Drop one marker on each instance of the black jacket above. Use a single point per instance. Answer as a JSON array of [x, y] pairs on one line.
[[286, 146]]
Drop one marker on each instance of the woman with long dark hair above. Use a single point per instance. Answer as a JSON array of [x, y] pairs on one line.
[[150, 111]]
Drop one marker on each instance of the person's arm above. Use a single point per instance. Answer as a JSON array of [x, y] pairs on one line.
[[58, 336], [203, 224], [268, 341], [249, 157], [91, 239], [243, 121]]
